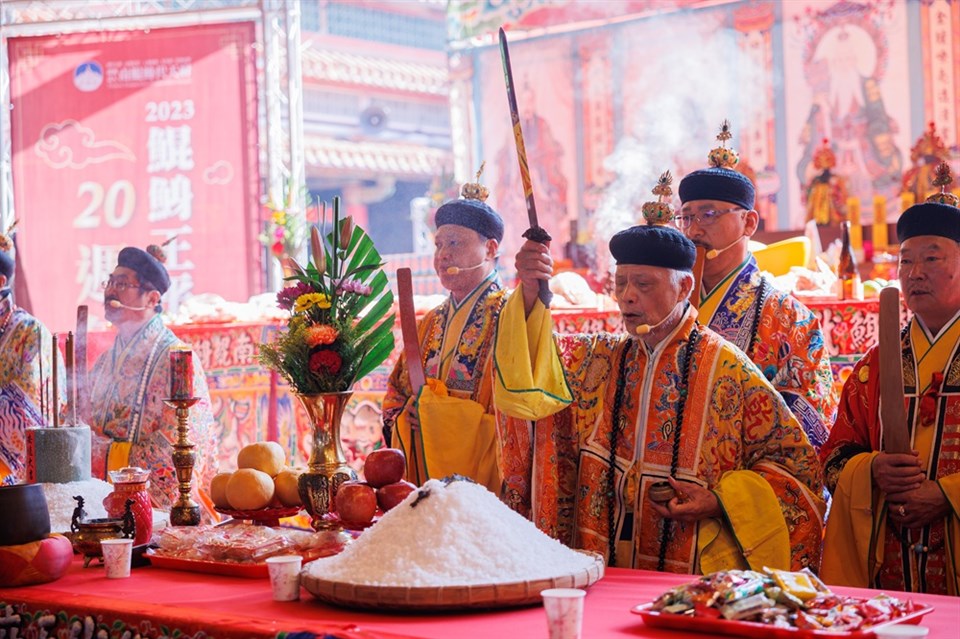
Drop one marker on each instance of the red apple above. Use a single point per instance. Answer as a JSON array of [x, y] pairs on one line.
[[384, 466], [392, 494], [356, 502]]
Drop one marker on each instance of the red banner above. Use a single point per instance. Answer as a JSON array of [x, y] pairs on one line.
[[134, 138]]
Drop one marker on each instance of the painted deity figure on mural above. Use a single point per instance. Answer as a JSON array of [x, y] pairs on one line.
[[455, 340], [131, 424], [26, 348], [894, 519], [778, 333], [669, 406], [843, 68]]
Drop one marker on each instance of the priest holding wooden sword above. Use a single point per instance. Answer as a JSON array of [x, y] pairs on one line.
[[895, 474]]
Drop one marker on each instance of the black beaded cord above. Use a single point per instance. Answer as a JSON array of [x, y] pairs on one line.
[[619, 424], [761, 297], [675, 459], [615, 429]]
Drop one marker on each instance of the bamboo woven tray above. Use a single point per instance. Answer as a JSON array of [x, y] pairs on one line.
[[499, 595]]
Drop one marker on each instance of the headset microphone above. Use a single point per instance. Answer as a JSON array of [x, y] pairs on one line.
[[715, 253], [643, 329], [119, 304], [456, 270]]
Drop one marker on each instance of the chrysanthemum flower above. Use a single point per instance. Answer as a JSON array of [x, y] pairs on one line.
[[321, 334], [326, 362], [308, 301]]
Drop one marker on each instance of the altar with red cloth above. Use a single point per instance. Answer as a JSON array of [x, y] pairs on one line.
[[158, 603]]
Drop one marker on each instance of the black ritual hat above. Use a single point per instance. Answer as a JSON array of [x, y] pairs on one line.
[[147, 267], [651, 245]]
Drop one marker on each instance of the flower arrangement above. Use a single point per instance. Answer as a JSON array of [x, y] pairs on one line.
[[285, 228], [339, 328]]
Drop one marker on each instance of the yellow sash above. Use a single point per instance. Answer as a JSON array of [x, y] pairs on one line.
[[757, 535], [851, 553], [529, 381], [457, 437]]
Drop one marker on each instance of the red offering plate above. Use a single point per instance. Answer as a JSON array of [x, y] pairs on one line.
[[720, 626], [228, 568], [250, 571], [262, 517]]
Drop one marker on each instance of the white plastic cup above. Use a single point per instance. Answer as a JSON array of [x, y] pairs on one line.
[[285, 576], [564, 608], [116, 557]]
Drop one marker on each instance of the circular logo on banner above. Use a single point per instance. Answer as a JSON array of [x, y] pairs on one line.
[[88, 76]]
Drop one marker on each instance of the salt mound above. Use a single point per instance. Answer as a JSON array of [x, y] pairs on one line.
[[450, 535]]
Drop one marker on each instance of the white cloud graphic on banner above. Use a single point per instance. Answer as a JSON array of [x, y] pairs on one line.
[[220, 172], [72, 145]]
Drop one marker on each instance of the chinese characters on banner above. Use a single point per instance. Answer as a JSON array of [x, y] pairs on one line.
[[941, 27], [135, 138]]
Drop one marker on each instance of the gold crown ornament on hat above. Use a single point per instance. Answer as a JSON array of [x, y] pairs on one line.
[[943, 178], [6, 239], [660, 212], [722, 157], [475, 190]]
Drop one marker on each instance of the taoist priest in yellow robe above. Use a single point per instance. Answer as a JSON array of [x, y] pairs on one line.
[[895, 518], [666, 401]]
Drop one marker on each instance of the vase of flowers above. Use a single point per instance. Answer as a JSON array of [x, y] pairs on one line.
[[340, 329]]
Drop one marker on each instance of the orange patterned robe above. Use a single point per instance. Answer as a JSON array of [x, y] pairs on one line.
[[739, 440], [784, 340]]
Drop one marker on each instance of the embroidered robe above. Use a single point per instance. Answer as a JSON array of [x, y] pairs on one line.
[[738, 439], [20, 364], [861, 547], [131, 424], [784, 340]]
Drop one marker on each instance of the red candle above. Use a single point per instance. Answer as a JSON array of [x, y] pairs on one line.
[[181, 372]]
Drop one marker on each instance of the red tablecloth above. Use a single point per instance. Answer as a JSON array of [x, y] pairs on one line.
[[155, 600]]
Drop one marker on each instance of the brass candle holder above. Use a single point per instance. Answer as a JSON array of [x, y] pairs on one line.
[[185, 512]]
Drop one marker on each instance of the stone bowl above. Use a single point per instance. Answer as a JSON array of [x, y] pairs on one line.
[[24, 517]]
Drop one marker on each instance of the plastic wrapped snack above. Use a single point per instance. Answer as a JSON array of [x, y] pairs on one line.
[[781, 599]]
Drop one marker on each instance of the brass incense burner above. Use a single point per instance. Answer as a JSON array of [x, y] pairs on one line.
[[87, 534]]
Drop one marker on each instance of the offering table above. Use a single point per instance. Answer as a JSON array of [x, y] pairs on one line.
[[155, 602]]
